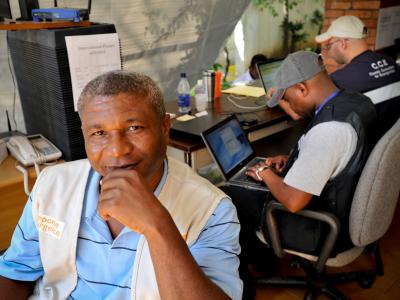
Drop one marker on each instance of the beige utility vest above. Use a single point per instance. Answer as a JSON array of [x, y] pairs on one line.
[[57, 207]]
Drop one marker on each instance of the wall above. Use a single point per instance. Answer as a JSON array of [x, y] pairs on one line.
[[7, 90], [160, 38], [9, 95], [262, 32], [366, 10]]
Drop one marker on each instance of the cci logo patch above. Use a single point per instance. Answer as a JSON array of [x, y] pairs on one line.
[[50, 226]]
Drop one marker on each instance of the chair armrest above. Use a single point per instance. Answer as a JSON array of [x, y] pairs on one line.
[[330, 219]]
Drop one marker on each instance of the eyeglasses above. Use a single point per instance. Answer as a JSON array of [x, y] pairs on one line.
[[328, 46]]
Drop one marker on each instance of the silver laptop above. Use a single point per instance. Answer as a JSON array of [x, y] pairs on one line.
[[231, 150], [266, 71]]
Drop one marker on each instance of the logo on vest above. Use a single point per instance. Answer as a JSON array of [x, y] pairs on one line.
[[50, 226], [381, 69]]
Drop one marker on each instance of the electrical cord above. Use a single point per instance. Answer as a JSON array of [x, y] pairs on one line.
[[15, 87], [229, 112], [24, 172], [37, 168], [38, 158], [232, 100]]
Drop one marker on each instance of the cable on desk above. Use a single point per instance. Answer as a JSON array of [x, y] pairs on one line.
[[230, 112], [232, 99]]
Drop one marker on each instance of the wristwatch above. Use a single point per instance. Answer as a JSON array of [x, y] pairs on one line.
[[260, 169]]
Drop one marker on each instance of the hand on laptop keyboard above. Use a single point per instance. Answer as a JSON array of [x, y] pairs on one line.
[[255, 171], [277, 162], [246, 178]]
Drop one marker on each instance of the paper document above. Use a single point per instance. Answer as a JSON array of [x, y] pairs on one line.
[[388, 28], [244, 90], [201, 113], [185, 118], [89, 56]]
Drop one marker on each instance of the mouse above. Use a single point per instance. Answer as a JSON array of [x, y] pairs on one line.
[[248, 122]]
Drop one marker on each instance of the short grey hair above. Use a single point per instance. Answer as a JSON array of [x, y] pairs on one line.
[[115, 82]]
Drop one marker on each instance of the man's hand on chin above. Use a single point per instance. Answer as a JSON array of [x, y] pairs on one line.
[[126, 197]]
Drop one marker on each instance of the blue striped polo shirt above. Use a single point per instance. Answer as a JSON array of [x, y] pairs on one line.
[[104, 265]]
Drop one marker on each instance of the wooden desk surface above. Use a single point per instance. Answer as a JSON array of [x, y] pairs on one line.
[[9, 175], [26, 25], [12, 198]]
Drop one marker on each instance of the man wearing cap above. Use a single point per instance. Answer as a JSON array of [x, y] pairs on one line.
[[322, 171], [363, 70], [359, 69]]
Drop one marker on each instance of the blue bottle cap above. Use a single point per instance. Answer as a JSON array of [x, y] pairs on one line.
[[183, 74]]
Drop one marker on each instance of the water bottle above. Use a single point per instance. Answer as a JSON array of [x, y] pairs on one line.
[[200, 97], [183, 95]]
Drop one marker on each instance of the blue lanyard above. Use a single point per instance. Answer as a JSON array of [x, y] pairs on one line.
[[326, 101]]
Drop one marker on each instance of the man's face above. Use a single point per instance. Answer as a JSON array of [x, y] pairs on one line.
[[124, 131], [331, 50], [253, 72], [298, 101]]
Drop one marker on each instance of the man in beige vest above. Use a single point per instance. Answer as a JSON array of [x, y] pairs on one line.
[[128, 222]]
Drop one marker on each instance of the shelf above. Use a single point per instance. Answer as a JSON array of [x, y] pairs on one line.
[[26, 25]]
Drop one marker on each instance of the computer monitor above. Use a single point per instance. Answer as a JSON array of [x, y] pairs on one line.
[[5, 11], [267, 71]]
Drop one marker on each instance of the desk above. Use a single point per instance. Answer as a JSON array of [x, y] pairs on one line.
[[25, 25], [12, 198], [191, 149]]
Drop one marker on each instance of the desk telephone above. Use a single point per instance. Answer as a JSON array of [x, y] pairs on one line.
[[31, 150]]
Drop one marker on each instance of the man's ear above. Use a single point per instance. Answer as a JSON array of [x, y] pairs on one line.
[[303, 89], [343, 44], [166, 125]]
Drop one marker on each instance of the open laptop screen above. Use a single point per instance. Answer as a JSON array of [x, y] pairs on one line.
[[228, 145], [267, 71]]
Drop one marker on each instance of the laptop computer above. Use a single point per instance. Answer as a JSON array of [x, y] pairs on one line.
[[231, 150], [266, 71]]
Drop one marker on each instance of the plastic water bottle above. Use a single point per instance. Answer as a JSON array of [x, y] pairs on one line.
[[200, 97], [183, 95]]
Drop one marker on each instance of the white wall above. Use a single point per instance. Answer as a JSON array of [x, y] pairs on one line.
[[262, 32]]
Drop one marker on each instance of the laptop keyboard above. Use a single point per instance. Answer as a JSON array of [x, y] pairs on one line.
[[245, 178]]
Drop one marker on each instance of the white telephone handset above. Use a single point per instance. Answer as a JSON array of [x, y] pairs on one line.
[[33, 149], [21, 149]]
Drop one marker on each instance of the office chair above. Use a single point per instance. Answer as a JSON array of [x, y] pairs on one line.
[[372, 210], [387, 104]]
